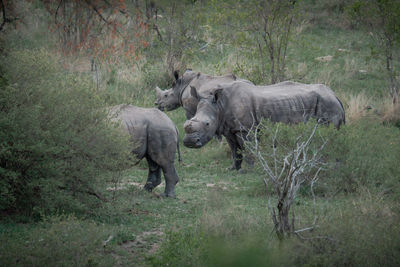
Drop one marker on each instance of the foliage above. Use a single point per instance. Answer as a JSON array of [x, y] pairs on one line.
[[56, 143], [106, 31], [177, 31]]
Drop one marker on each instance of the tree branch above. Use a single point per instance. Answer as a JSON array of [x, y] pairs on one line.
[[5, 19]]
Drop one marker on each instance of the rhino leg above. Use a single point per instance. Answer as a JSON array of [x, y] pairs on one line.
[[171, 179], [154, 177], [236, 155]]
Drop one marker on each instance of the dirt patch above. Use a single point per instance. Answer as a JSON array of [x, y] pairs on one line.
[[123, 186]]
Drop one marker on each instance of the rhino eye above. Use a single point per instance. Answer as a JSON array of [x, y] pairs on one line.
[[207, 123], [165, 95]]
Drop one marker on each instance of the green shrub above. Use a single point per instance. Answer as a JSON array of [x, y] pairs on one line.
[[56, 145], [363, 154], [358, 230]]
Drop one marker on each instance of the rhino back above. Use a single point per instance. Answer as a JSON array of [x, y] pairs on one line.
[[287, 102]]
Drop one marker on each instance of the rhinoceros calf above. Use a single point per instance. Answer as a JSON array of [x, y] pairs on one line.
[[179, 94], [154, 137], [232, 109]]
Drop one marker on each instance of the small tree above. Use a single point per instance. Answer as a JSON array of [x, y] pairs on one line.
[[382, 18], [177, 28], [290, 156], [263, 29], [272, 31]]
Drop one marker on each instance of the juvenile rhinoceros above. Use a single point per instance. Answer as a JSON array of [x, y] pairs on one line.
[[154, 137], [232, 109], [179, 94]]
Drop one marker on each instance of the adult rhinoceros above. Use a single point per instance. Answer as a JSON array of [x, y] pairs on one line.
[[232, 109], [154, 137], [179, 94]]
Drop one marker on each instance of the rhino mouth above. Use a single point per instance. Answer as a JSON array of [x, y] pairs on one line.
[[170, 107], [193, 141]]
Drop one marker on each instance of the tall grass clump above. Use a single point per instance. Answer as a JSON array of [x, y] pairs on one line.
[[57, 145]]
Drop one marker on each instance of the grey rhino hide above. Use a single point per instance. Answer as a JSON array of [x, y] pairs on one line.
[[179, 94], [154, 137], [238, 106]]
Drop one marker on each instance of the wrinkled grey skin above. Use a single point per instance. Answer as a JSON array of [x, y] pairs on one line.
[[234, 108], [154, 137], [180, 95]]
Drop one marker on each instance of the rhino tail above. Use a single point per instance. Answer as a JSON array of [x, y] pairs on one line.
[[179, 152], [344, 115]]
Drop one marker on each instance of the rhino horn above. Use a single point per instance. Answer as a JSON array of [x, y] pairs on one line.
[[158, 90]]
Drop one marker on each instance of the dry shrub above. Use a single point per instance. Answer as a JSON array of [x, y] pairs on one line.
[[357, 106], [390, 112], [360, 106]]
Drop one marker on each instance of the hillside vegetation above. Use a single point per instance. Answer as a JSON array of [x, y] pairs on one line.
[[70, 195]]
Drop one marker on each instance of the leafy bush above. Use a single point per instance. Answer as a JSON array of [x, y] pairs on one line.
[[56, 144]]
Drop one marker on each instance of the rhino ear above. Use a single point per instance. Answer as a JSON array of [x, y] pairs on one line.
[[218, 94], [194, 93], [176, 74]]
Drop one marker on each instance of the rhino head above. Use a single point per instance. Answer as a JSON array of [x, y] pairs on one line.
[[170, 99], [166, 99], [200, 129]]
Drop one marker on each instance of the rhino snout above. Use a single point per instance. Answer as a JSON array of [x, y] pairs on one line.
[[192, 141]]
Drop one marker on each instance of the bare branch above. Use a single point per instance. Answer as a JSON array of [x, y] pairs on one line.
[[287, 173]]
